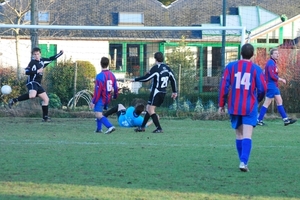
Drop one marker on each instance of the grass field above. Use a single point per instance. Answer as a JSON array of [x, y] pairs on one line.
[[65, 159]]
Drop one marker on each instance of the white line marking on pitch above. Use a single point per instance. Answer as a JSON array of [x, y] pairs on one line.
[[62, 142]]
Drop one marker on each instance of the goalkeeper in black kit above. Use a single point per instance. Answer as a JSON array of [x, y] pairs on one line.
[[160, 74], [34, 70]]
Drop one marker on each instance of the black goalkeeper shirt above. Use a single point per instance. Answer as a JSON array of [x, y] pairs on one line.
[[34, 65]]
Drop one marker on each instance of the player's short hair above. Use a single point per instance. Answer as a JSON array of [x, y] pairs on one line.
[[104, 62], [139, 108], [137, 101], [35, 49], [159, 56], [272, 51], [247, 51]]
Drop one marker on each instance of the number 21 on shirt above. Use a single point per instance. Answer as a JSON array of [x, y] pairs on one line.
[[245, 80]]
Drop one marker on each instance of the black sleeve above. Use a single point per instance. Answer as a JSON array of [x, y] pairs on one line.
[[49, 60], [28, 69], [173, 82]]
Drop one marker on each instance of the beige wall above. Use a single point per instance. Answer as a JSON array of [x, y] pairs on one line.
[[76, 50]]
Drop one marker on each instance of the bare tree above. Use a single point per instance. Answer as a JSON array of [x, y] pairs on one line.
[[13, 13], [17, 12]]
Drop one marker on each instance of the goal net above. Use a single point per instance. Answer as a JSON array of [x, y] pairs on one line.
[[194, 53]]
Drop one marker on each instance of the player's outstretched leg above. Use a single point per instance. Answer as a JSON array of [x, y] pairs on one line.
[[23, 97]]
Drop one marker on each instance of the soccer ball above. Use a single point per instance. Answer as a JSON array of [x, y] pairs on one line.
[[6, 89]]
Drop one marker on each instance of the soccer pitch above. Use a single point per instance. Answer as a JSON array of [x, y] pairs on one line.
[[65, 159]]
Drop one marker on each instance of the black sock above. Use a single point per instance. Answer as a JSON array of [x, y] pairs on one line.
[[111, 111], [45, 111], [23, 97], [155, 121], [146, 118]]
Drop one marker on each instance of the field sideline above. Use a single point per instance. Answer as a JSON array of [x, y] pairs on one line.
[[65, 159]]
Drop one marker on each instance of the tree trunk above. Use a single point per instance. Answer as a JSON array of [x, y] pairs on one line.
[[17, 54]]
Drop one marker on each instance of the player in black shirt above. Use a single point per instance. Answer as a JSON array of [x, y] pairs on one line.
[[34, 70], [160, 74]]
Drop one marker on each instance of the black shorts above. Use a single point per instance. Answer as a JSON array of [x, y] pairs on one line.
[[156, 98], [121, 112], [35, 86]]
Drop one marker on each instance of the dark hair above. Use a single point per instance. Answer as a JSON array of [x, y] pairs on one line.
[[137, 101], [272, 51], [159, 56], [139, 108], [247, 51], [104, 62], [35, 49]]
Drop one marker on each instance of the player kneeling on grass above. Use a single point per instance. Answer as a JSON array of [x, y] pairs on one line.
[[130, 117], [35, 70], [244, 84]]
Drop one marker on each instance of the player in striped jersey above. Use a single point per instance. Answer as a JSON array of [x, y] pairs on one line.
[[34, 70], [105, 88], [160, 74], [244, 85], [272, 78]]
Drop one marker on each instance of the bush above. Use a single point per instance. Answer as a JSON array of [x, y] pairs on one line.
[[54, 101], [60, 79], [9, 77]]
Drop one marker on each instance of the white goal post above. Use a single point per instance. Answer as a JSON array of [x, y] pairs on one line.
[[242, 29], [131, 53]]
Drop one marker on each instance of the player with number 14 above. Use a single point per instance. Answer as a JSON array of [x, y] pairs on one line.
[[244, 85]]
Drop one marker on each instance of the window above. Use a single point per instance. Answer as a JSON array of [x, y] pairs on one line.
[[44, 17], [273, 40], [131, 18], [261, 40], [116, 54]]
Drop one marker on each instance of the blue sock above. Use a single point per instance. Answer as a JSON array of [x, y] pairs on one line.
[[106, 122], [246, 150], [99, 124], [238, 144], [282, 111], [262, 113]]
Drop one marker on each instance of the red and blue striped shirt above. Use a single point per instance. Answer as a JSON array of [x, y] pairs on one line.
[[105, 83], [244, 85], [271, 74]]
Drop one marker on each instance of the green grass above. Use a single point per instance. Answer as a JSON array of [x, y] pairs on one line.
[[64, 159]]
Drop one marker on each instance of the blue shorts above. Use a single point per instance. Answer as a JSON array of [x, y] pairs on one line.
[[99, 107], [237, 120], [271, 92]]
